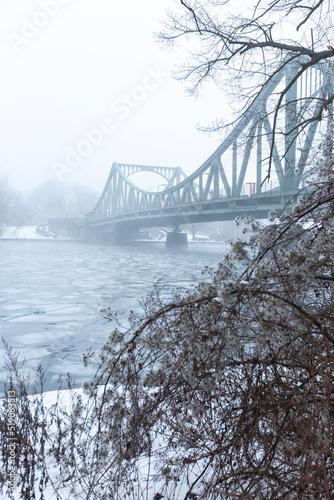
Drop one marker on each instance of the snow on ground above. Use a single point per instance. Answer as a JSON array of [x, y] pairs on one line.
[[28, 233], [22, 233], [54, 491]]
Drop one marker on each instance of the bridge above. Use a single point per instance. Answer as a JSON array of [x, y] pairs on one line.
[[218, 190]]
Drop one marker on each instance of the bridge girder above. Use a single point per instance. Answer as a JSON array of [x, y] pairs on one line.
[[220, 180]]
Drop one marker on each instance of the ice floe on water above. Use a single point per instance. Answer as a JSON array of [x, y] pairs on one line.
[[51, 295]]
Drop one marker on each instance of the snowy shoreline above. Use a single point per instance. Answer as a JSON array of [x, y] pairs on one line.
[[33, 233], [30, 233]]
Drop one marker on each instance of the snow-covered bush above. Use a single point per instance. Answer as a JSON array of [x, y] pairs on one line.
[[228, 391]]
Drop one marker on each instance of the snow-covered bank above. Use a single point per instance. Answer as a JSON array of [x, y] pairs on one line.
[[27, 233], [61, 485]]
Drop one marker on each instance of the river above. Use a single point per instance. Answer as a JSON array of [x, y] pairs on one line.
[[51, 295]]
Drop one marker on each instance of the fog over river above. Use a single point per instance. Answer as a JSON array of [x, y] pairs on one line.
[[51, 295]]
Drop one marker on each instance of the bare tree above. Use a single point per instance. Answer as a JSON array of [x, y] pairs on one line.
[[56, 199], [249, 44], [193, 228], [48, 200], [7, 195], [80, 200]]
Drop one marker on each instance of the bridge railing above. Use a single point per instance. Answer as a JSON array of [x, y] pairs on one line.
[[249, 189]]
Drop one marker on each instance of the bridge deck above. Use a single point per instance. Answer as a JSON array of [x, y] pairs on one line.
[[215, 210]]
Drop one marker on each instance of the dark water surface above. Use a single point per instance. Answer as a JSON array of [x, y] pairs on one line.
[[51, 294]]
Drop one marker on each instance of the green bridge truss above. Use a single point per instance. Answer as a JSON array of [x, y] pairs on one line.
[[217, 189]]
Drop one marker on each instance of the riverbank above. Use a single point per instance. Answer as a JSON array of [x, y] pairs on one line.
[[41, 233], [29, 233]]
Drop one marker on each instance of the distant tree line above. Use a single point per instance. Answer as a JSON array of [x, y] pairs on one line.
[[50, 199]]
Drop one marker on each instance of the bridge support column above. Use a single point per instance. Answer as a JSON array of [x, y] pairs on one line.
[[176, 238]]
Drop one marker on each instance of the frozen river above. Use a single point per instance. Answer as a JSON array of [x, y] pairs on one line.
[[51, 294]]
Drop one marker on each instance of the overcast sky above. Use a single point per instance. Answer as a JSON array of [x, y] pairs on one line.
[[70, 67]]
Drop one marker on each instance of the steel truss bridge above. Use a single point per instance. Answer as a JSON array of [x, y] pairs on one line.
[[217, 189]]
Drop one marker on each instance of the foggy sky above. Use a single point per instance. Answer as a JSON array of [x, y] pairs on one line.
[[88, 77]]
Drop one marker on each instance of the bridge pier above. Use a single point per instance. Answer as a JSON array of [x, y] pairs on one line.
[[176, 238]]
